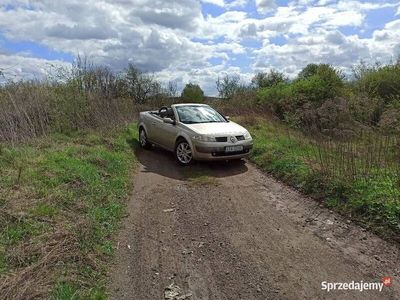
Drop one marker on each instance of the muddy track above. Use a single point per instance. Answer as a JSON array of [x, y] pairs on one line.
[[239, 234]]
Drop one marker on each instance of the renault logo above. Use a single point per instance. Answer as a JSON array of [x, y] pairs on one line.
[[232, 139]]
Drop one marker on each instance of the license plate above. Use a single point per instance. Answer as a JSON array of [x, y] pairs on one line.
[[233, 148]]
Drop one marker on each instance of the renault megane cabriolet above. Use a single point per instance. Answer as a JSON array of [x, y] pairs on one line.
[[194, 132]]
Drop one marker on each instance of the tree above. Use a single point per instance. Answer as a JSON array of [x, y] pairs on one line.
[[228, 86], [192, 92], [324, 71], [140, 86], [268, 79], [308, 71], [172, 88], [319, 82]]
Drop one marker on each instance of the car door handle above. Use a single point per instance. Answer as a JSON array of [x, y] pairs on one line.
[[153, 123]]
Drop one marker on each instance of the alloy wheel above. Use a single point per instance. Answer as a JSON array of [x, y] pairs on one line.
[[184, 153]]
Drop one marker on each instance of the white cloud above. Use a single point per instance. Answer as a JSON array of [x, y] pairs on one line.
[[215, 2], [176, 41], [236, 4], [17, 67], [265, 6]]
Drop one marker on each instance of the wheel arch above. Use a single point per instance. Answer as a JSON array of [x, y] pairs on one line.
[[182, 136], [142, 126]]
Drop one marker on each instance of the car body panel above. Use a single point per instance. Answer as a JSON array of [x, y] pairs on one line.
[[217, 129], [166, 135]]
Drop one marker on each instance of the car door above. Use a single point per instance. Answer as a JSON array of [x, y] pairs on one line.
[[167, 132], [151, 124]]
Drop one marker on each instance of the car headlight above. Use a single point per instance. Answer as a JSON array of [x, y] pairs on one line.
[[204, 138], [247, 135]]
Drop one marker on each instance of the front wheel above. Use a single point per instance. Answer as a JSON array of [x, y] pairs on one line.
[[144, 143], [183, 153]]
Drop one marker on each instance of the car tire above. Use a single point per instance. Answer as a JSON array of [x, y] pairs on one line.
[[183, 153], [144, 143]]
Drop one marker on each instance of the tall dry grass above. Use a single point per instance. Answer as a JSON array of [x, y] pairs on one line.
[[366, 158], [86, 96]]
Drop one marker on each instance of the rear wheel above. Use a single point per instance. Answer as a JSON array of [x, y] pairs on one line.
[[144, 143], [183, 153]]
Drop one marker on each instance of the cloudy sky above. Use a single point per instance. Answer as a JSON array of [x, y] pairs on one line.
[[196, 40]]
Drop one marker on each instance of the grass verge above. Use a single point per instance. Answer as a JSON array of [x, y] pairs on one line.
[[61, 198], [359, 178]]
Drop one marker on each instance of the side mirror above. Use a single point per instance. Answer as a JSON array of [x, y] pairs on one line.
[[227, 118], [169, 121]]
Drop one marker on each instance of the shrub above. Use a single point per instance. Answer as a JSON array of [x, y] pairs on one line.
[[314, 89], [382, 82], [320, 82], [390, 119], [277, 97], [314, 85], [268, 79], [365, 110]]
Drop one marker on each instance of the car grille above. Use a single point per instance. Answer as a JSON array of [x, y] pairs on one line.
[[222, 139], [219, 154]]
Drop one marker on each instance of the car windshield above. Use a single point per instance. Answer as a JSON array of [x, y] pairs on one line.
[[198, 114]]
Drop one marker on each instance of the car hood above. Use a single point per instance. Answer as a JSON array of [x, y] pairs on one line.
[[217, 129]]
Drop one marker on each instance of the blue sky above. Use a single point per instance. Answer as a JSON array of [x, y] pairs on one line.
[[196, 40]]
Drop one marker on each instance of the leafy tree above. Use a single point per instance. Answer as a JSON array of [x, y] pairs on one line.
[[319, 82], [192, 92], [315, 84], [268, 79], [308, 71], [324, 71]]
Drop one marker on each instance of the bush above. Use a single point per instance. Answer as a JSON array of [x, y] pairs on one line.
[[277, 97], [314, 85], [269, 79], [390, 119], [381, 82], [320, 82], [365, 110], [193, 93], [315, 89]]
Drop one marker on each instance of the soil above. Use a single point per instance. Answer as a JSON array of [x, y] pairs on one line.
[[239, 235]]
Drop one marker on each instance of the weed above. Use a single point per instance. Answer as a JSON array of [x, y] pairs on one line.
[[64, 291]]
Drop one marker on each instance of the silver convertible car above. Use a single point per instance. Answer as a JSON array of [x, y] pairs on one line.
[[194, 132]]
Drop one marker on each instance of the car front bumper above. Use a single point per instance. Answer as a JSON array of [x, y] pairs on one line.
[[216, 151]]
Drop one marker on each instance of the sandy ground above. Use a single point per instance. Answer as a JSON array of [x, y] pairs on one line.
[[239, 235]]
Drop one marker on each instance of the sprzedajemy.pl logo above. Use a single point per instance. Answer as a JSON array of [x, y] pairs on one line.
[[356, 285]]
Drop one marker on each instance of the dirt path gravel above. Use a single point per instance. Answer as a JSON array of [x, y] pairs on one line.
[[238, 234]]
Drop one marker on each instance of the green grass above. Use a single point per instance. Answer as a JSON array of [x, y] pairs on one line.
[[65, 190], [369, 195]]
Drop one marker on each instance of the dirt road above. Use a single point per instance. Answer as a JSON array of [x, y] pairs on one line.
[[235, 233]]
